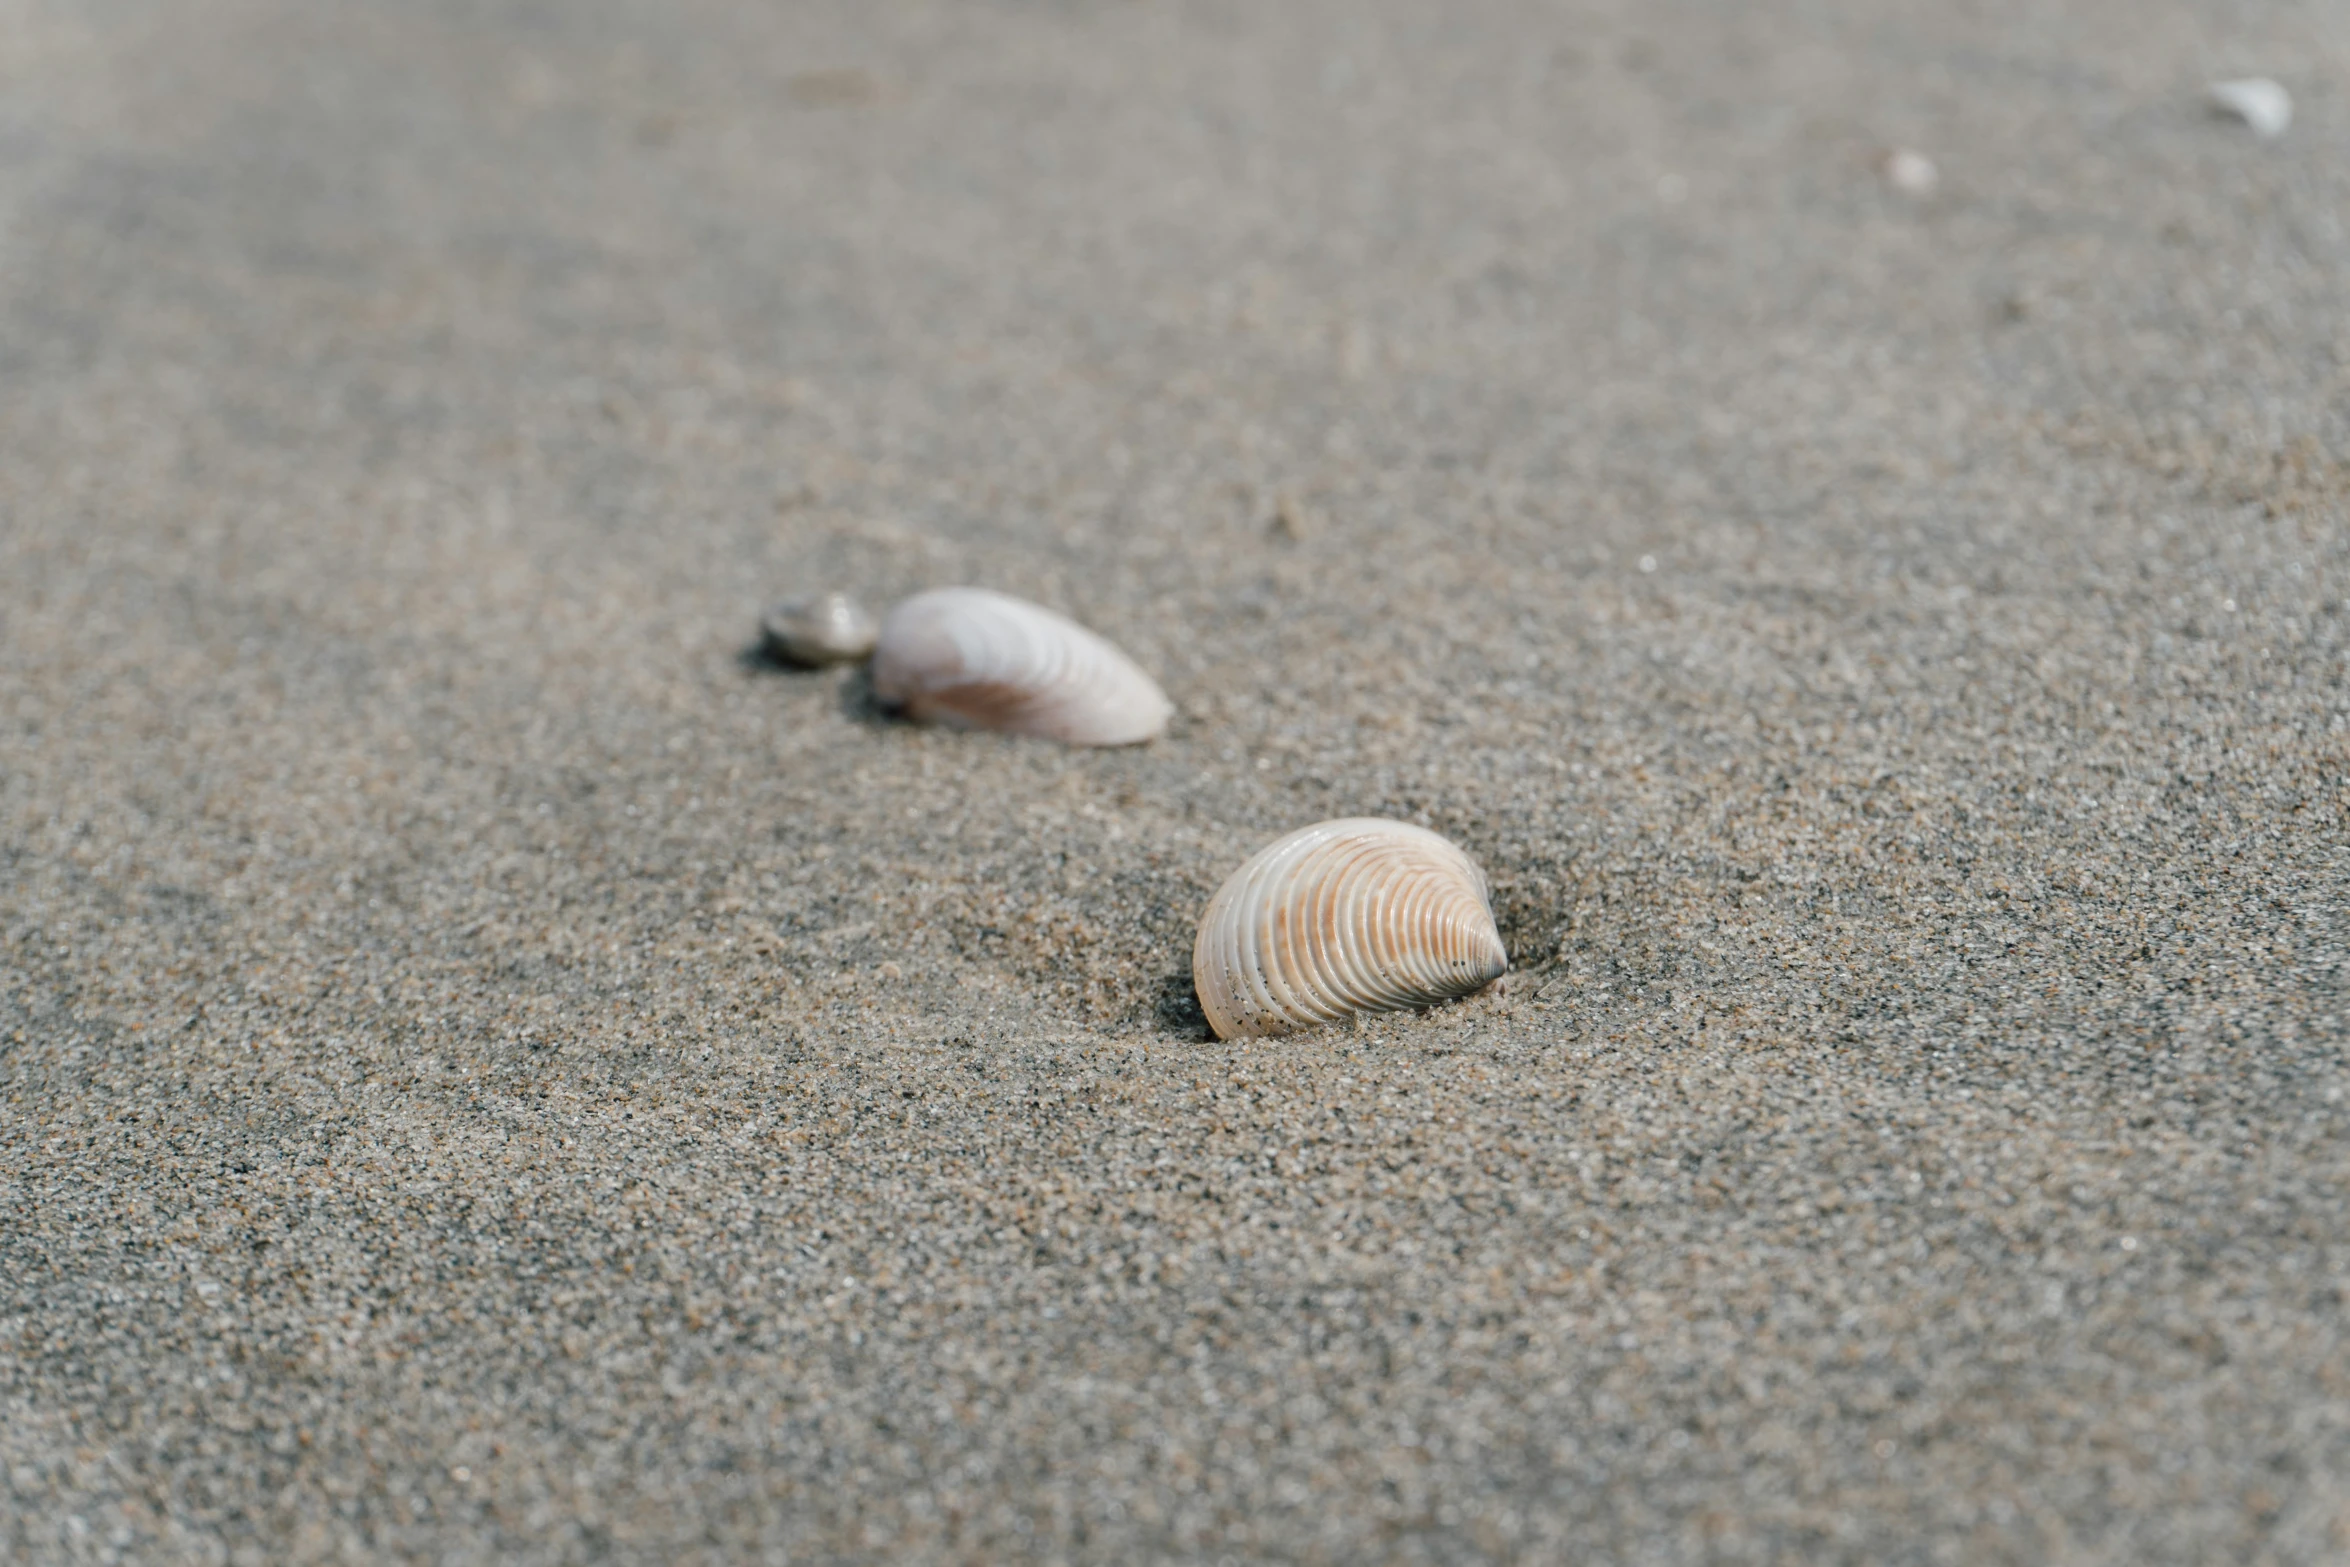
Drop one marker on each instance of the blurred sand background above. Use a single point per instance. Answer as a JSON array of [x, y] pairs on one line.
[[490, 1071]]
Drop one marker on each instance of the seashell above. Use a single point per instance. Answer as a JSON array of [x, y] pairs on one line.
[[990, 661], [823, 628], [2260, 103], [1356, 915], [1910, 172]]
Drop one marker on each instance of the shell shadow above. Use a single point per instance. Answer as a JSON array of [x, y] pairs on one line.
[[1177, 1007], [857, 701], [760, 658], [858, 704]]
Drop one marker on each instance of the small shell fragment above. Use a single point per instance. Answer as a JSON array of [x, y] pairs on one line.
[[823, 628], [1911, 172], [987, 660], [2257, 101], [1348, 916], [1291, 520]]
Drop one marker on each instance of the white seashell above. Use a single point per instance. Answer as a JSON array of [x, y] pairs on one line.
[[990, 661], [1356, 915], [825, 628], [1911, 172], [2258, 102]]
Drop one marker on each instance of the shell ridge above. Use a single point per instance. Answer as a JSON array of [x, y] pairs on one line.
[[1407, 918], [1290, 969], [1340, 978], [1253, 988], [1373, 977], [1034, 657], [1332, 907], [1419, 968], [1325, 959], [1281, 997], [1413, 887]]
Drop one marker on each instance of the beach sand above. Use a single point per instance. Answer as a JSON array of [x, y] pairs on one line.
[[491, 1070]]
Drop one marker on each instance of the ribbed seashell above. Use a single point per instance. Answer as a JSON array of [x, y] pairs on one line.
[[990, 661], [824, 628], [1356, 915]]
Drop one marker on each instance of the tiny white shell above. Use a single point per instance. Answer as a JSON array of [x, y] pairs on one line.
[[990, 661], [1911, 172], [2260, 103], [824, 628], [1348, 916]]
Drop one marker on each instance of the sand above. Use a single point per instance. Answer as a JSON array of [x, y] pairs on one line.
[[491, 1070]]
